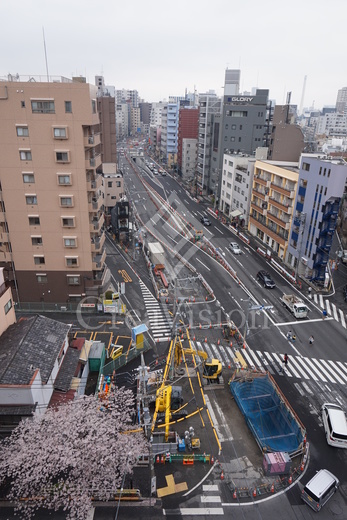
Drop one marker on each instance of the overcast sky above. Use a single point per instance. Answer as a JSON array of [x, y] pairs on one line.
[[162, 47]]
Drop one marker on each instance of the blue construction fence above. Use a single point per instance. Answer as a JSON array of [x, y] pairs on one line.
[[269, 416]]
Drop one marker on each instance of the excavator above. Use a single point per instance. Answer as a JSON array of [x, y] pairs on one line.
[[211, 367]]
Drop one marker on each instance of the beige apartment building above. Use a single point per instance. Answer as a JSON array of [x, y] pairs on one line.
[[51, 194], [273, 195]]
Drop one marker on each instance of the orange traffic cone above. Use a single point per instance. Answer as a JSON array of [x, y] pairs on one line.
[[218, 342], [157, 460], [222, 475], [272, 488], [212, 460], [235, 493], [290, 480], [254, 492], [162, 459], [302, 467]]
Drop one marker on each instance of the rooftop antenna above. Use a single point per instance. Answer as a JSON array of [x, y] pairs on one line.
[[44, 45]]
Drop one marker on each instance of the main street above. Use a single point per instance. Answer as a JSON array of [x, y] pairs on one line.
[[316, 373]]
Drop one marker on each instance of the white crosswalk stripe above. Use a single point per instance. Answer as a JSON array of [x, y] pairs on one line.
[[300, 367], [327, 304], [331, 309], [333, 306], [265, 362], [342, 318], [160, 325]]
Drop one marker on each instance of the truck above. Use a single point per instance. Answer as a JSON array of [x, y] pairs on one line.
[[156, 253], [344, 256], [296, 305]]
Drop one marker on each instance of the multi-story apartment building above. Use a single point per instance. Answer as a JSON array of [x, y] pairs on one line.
[[273, 195], [187, 130], [209, 110], [107, 116], [332, 125], [187, 166], [122, 120], [169, 128], [287, 139], [7, 312], [135, 120], [321, 186], [341, 100], [52, 212], [236, 188], [156, 111]]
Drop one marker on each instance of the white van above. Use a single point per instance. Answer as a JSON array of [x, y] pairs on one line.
[[319, 489], [335, 425]]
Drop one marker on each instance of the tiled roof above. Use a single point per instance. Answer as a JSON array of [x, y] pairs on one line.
[[31, 343], [67, 370]]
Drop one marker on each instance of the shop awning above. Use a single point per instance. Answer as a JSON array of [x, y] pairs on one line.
[[235, 213]]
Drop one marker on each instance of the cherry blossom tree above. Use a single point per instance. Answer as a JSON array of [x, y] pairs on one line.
[[78, 451]]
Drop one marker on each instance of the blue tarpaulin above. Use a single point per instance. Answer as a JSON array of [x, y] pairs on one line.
[[271, 421]]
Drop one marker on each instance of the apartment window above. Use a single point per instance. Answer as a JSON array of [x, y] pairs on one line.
[[70, 242], [36, 241], [62, 157], [320, 171], [60, 133], [28, 178], [64, 179], [232, 139], [25, 155], [8, 306], [39, 260], [329, 172], [22, 131], [41, 278], [325, 191], [71, 261], [118, 184], [22, 104], [31, 200], [43, 107], [66, 202], [233, 127], [306, 166], [73, 280], [240, 127], [239, 139], [109, 184], [68, 107], [68, 222], [34, 221], [94, 106]]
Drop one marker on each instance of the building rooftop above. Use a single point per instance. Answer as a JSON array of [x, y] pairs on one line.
[[31, 343], [67, 370]]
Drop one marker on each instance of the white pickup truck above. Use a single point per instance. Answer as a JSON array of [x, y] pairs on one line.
[[295, 305]]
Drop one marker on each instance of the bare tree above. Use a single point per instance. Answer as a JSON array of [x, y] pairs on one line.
[[78, 451]]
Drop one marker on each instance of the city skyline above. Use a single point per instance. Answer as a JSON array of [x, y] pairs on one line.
[[143, 47]]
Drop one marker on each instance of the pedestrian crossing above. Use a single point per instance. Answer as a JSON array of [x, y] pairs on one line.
[[159, 320], [299, 367], [210, 500], [331, 309]]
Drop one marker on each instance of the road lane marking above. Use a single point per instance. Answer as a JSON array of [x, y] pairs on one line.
[[342, 317], [327, 303], [203, 264], [303, 322]]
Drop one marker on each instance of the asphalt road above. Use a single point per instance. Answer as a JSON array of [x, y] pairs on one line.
[[323, 363]]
